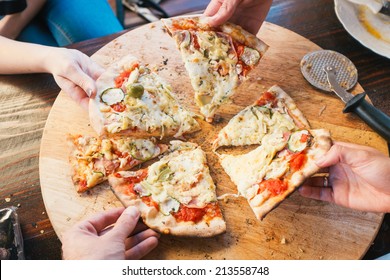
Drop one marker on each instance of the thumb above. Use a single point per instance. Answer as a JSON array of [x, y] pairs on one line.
[[94, 71], [126, 223], [330, 158], [337, 153]]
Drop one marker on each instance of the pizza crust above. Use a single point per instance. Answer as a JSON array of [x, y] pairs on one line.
[[92, 159], [166, 224], [217, 59], [251, 124], [280, 144], [187, 184], [322, 144], [233, 30], [294, 111]]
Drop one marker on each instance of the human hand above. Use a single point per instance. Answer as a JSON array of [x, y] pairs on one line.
[[74, 72], [359, 178], [97, 239], [249, 14]]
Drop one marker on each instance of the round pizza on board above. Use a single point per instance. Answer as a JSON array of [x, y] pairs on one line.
[[217, 59], [176, 194]]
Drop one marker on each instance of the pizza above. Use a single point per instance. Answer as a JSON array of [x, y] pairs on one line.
[[217, 60], [284, 158], [274, 110], [133, 100], [92, 159], [175, 195]]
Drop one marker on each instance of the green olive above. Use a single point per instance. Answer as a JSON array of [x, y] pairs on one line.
[[135, 90]]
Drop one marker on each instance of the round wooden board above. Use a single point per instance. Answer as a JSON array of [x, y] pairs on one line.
[[299, 228]]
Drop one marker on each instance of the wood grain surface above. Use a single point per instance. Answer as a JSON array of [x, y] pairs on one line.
[[298, 229]]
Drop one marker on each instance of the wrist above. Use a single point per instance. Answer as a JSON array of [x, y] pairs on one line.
[[48, 59]]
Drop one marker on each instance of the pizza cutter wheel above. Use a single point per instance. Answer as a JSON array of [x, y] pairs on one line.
[[331, 71]]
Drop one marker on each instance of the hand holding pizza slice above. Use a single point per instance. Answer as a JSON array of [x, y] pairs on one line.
[[285, 156], [217, 59]]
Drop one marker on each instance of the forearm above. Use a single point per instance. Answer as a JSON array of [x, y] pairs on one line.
[[12, 25], [18, 57]]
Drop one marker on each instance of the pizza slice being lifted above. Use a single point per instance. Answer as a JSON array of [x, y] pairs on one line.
[[271, 172], [274, 110], [286, 154], [132, 100], [175, 195], [92, 159], [217, 59]]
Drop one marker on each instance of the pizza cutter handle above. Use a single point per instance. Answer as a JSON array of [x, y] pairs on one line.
[[375, 118]]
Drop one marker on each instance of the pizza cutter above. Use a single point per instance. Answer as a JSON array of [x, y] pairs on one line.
[[331, 71]]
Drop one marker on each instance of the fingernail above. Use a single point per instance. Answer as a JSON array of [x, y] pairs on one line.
[[89, 92]]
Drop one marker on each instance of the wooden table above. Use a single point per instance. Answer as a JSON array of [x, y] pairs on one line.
[[25, 101]]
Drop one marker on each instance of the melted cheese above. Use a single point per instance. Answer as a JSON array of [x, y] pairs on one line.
[[251, 125], [94, 156], [185, 178], [211, 67], [156, 110], [248, 169]]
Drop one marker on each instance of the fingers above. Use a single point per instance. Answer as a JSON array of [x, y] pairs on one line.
[[223, 14], [318, 181], [100, 221], [94, 71], [126, 223], [139, 227], [75, 92], [356, 147], [213, 7], [82, 80], [319, 193], [318, 187], [142, 249], [78, 72], [140, 237], [348, 153]]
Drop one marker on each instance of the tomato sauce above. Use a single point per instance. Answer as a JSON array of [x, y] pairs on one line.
[[82, 185], [266, 98], [195, 42], [118, 107], [185, 25], [123, 76], [186, 214], [131, 181], [297, 161], [304, 138], [150, 202], [240, 50], [274, 186]]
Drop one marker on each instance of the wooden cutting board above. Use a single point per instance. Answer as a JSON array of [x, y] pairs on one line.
[[299, 228]]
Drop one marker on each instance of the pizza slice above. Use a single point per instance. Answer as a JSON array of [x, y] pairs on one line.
[[274, 110], [92, 159], [217, 60], [133, 100], [268, 174], [175, 195]]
